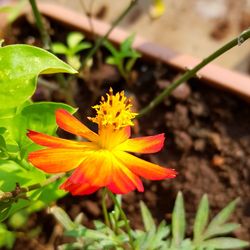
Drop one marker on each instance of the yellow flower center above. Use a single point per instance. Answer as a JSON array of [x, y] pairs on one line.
[[115, 112]]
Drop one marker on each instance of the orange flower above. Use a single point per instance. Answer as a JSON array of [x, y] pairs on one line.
[[104, 160]]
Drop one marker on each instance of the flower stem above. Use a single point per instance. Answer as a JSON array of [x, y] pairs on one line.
[[100, 41], [21, 191], [104, 207], [191, 73], [124, 217], [44, 34]]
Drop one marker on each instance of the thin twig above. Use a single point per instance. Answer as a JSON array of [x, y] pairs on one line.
[[124, 217], [89, 14], [39, 22], [104, 207], [100, 41], [191, 73], [19, 192]]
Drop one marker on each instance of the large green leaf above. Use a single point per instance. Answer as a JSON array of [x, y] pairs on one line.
[[20, 66], [38, 116]]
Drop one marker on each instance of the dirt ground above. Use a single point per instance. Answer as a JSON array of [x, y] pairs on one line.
[[207, 142]]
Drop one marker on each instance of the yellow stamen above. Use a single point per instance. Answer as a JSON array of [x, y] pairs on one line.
[[115, 111]]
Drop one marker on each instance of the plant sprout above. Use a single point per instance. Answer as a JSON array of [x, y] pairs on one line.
[[74, 44]]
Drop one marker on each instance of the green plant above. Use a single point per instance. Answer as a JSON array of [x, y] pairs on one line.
[[74, 44], [13, 11], [20, 67], [206, 235], [123, 58]]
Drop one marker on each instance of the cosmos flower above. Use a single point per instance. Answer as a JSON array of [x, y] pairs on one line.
[[105, 159]]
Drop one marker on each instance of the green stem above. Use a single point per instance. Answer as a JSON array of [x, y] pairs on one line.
[[44, 34], [191, 73], [100, 41], [65, 85], [104, 207], [21, 191], [124, 217]]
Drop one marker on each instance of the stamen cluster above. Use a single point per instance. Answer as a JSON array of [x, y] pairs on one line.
[[115, 111]]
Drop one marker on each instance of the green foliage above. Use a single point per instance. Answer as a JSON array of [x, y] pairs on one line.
[[13, 11], [74, 44], [124, 58], [19, 67], [102, 237], [206, 236], [7, 238]]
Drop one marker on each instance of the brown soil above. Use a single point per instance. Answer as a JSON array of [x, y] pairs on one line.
[[208, 142]]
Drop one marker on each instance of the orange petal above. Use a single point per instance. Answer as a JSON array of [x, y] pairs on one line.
[[78, 189], [123, 180], [110, 138], [95, 169], [57, 160], [143, 145], [53, 142], [70, 124], [143, 168]]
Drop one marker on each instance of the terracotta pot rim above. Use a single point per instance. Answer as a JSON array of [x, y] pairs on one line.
[[212, 74]]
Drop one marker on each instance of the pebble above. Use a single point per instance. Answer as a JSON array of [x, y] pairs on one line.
[[182, 92], [218, 160]]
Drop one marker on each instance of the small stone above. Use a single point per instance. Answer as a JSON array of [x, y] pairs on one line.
[[162, 84], [218, 160], [215, 139], [200, 145], [183, 140], [182, 92]]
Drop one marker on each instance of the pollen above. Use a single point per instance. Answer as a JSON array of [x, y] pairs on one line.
[[114, 112]]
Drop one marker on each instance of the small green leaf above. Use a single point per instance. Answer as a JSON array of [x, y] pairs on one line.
[[178, 221], [111, 60], [225, 243], [20, 66], [127, 44], [201, 218], [74, 38], [111, 48], [220, 219], [221, 230], [147, 218], [7, 238], [13, 11], [59, 48], [63, 218], [79, 47]]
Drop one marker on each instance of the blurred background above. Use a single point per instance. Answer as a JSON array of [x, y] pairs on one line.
[[196, 27]]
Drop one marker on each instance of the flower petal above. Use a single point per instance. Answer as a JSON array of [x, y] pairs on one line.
[[57, 160], [123, 180], [143, 145], [69, 123], [96, 169], [143, 168], [78, 189], [110, 138], [53, 142]]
